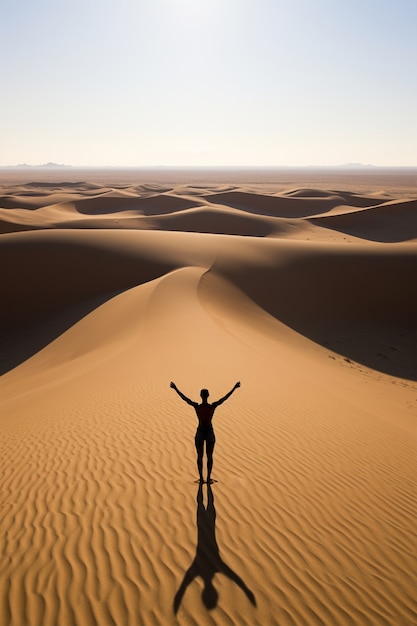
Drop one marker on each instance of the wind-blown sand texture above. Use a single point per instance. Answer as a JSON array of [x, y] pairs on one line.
[[305, 295]]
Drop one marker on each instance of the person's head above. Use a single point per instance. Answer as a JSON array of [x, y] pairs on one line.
[[209, 595], [204, 393]]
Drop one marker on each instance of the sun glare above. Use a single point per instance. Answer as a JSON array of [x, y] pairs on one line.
[[196, 9]]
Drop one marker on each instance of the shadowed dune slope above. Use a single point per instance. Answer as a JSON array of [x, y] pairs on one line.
[[303, 282], [86, 264], [220, 220], [356, 300], [391, 222], [295, 281], [148, 205], [314, 288], [291, 205]]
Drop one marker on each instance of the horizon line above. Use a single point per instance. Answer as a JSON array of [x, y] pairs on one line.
[[52, 165]]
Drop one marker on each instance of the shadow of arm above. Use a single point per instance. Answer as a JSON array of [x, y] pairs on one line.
[[237, 579], [190, 574]]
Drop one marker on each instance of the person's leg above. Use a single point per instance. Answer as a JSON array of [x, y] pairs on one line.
[[209, 450], [200, 451]]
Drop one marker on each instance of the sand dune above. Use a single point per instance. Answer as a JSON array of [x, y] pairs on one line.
[[303, 294], [300, 203], [389, 222]]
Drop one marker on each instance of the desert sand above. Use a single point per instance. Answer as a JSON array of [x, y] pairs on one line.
[[304, 290]]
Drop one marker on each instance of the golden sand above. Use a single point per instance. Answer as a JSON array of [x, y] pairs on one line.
[[305, 294]]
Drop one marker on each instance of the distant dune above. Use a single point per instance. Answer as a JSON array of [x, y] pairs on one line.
[[300, 286]]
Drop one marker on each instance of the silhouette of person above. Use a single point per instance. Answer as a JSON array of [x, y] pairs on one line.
[[205, 432], [207, 561]]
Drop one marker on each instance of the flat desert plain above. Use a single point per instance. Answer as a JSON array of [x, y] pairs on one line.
[[302, 286]]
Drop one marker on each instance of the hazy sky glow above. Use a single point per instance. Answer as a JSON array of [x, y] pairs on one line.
[[208, 82]]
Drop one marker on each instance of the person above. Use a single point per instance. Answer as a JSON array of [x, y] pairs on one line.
[[205, 432]]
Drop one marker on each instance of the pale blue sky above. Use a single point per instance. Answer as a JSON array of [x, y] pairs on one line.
[[199, 82]]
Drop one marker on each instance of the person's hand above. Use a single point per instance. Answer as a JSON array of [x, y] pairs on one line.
[[237, 385], [173, 385]]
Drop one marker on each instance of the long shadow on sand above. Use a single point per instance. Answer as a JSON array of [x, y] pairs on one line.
[[207, 561]]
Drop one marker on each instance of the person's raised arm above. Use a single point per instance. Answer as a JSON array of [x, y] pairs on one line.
[[226, 396], [182, 396]]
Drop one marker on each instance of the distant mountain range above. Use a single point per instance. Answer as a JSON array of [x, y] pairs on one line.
[[26, 166], [356, 165]]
